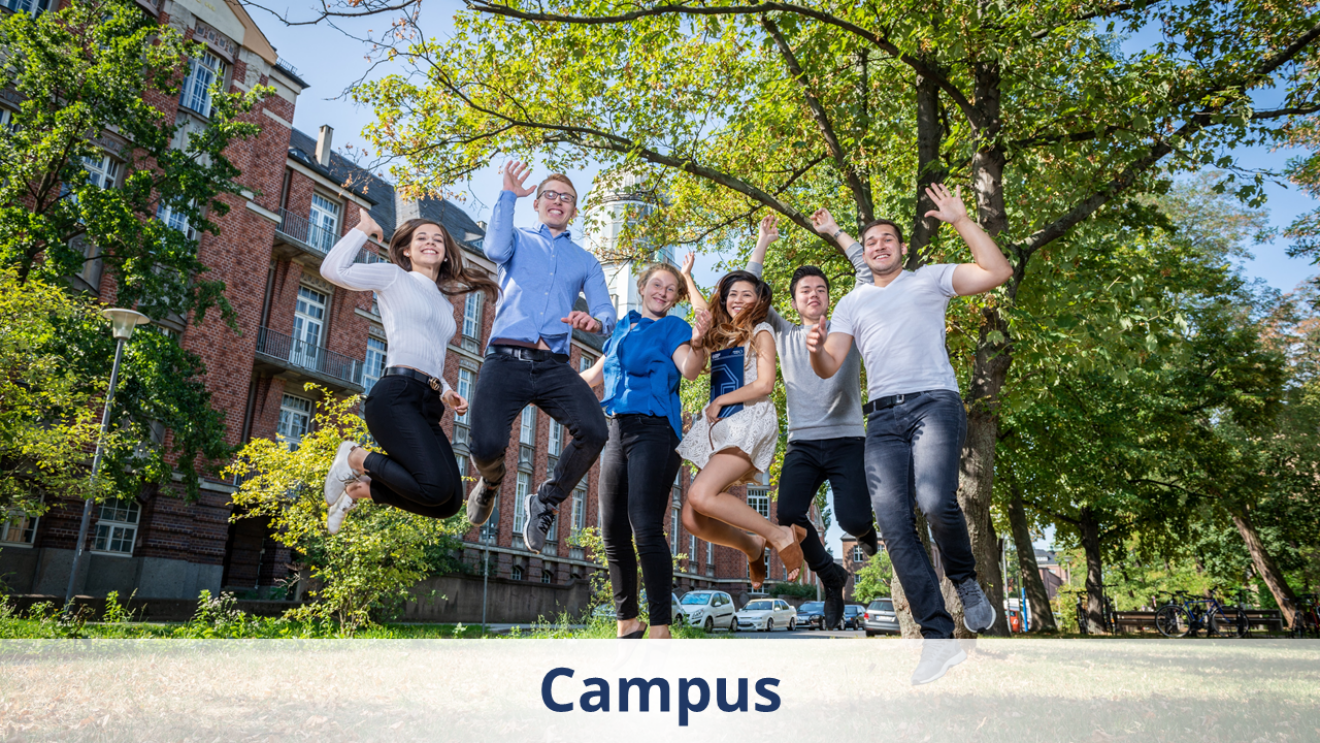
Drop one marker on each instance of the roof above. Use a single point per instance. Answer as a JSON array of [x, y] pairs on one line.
[[388, 208]]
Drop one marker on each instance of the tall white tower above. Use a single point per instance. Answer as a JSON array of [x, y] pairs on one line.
[[620, 203]]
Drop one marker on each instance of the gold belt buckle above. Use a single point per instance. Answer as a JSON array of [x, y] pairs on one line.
[[435, 383]]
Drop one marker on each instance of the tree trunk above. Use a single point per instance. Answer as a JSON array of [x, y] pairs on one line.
[[1042, 616], [1094, 575], [930, 168], [906, 624], [1264, 563], [990, 367]]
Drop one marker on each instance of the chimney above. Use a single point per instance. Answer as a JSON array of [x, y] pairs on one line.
[[406, 209], [323, 145]]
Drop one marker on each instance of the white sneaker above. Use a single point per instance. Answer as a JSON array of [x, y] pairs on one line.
[[340, 474], [335, 518]]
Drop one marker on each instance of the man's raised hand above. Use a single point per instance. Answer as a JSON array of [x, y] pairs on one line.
[[816, 336], [582, 321], [824, 222], [949, 207], [515, 173]]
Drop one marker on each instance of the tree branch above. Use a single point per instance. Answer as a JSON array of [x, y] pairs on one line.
[[1101, 13], [861, 192], [874, 38]]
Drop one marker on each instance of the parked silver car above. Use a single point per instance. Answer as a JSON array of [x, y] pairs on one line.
[[879, 618], [766, 614], [709, 609]]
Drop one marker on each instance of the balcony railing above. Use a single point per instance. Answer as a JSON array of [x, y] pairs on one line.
[[291, 352], [312, 236]]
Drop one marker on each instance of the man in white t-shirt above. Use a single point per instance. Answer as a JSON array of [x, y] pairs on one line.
[[915, 420]]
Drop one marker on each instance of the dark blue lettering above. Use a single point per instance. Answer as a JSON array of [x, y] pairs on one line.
[[685, 701], [644, 688], [601, 695], [771, 698], [549, 681], [721, 687]]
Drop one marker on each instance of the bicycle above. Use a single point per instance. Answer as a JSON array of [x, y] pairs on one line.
[[1108, 616], [1306, 617], [1186, 615]]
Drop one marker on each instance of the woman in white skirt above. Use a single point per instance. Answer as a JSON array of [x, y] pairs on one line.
[[735, 449]]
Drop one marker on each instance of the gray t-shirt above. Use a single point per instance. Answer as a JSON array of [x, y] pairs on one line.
[[819, 408]]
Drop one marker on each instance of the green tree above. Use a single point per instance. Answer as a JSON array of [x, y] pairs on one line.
[[875, 579], [369, 568], [727, 109], [85, 78]]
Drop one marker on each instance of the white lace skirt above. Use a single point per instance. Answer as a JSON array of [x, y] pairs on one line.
[[754, 431]]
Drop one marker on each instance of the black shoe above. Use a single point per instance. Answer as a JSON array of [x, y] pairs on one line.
[[869, 542], [834, 580]]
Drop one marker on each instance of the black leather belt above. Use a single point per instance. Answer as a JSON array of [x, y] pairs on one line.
[[888, 401], [426, 379], [530, 354]]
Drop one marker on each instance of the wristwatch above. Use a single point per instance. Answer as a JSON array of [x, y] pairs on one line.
[[835, 236]]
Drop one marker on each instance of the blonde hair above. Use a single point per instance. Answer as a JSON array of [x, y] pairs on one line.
[[652, 269]]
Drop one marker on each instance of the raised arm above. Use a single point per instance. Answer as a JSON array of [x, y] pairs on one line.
[[827, 350], [824, 223], [990, 268], [499, 243], [339, 268], [756, 389], [694, 294], [690, 358], [766, 234]]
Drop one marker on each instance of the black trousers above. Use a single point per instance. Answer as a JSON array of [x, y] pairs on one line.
[[418, 473], [508, 384], [637, 471], [808, 464]]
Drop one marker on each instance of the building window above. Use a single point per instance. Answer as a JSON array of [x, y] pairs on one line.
[[295, 420], [116, 527], [472, 320], [102, 171], [759, 499], [175, 219], [710, 555], [547, 576], [374, 366], [519, 496], [556, 438], [516, 573], [324, 219], [579, 510], [35, 7], [673, 529], [527, 433], [858, 556], [203, 73], [465, 382], [586, 362], [18, 528], [308, 318], [692, 549]]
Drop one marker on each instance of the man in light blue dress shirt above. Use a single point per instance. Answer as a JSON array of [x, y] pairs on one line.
[[541, 273]]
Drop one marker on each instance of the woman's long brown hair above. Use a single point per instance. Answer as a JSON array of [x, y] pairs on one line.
[[727, 331], [453, 278]]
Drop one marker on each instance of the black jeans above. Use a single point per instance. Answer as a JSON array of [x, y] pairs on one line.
[[808, 464], [418, 473], [912, 452], [504, 387], [637, 470]]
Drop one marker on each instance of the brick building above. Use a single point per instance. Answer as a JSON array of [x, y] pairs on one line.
[[295, 327]]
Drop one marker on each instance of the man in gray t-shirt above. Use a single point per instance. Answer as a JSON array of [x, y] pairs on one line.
[[826, 438]]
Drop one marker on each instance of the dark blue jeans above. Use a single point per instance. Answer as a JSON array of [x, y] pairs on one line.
[[504, 387], [912, 456], [637, 471], [808, 464]]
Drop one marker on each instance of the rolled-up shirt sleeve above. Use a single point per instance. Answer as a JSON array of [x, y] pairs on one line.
[[500, 239]]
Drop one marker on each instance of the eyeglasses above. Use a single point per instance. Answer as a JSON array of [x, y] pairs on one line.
[[565, 198]]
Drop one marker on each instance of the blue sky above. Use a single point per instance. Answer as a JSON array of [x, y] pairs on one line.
[[329, 62]]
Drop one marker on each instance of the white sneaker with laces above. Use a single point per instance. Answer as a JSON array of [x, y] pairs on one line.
[[335, 518], [340, 474]]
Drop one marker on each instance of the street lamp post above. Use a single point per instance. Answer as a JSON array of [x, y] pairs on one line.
[[122, 323]]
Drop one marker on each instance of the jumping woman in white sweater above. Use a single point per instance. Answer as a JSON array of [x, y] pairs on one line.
[[418, 473]]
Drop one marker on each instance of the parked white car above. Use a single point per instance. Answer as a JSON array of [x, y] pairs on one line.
[[709, 610], [766, 614]]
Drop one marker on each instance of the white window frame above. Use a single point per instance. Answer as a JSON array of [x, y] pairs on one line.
[[102, 172], [324, 216], [466, 380], [371, 372], [579, 510], [472, 308], [117, 525], [292, 406], [547, 576], [175, 220], [311, 308], [516, 572], [519, 496], [556, 446], [673, 529], [527, 426], [203, 73], [31, 7], [858, 556], [710, 554], [586, 362], [759, 499], [19, 529]]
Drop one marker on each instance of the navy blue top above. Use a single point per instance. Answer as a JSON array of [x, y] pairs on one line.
[[640, 375]]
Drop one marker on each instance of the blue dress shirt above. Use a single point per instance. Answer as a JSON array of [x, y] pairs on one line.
[[640, 376], [540, 278]]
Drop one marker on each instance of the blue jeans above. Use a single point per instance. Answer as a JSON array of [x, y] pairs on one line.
[[912, 455]]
